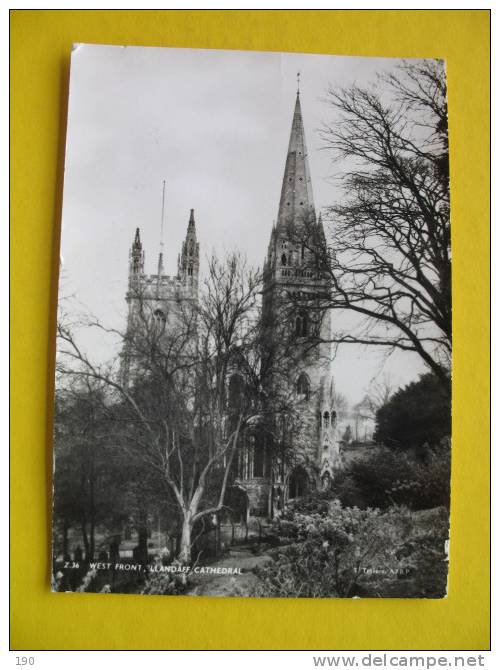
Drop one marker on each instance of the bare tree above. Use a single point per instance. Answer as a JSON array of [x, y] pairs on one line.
[[388, 256], [170, 395]]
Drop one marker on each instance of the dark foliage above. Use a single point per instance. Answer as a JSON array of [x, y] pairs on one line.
[[418, 414], [397, 478]]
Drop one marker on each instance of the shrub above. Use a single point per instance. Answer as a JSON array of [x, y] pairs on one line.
[[337, 553], [417, 414], [161, 584], [164, 583], [397, 478], [424, 553], [328, 552], [317, 502]]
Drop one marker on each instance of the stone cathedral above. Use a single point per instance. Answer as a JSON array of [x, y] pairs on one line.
[[289, 280]]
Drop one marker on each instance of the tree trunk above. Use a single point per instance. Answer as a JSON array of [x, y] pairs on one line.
[[85, 539], [185, 544]]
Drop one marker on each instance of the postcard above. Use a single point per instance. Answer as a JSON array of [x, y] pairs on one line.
[[253, 373]]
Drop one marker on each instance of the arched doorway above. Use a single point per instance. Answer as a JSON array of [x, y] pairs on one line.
[[298, 483]]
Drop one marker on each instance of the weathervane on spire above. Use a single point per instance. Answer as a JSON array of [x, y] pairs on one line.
[[298, 82]]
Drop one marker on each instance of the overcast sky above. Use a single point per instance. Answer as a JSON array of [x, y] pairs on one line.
[[215, 126]]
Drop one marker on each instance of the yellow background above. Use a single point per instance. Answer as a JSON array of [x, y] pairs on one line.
[[40, 50]]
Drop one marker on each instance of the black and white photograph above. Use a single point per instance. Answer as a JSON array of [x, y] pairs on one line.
[[253, 366]]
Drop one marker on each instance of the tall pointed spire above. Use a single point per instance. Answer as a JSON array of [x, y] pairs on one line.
[[296, 203], [137, 239], [191, 224], [136, 257], [189, 259]]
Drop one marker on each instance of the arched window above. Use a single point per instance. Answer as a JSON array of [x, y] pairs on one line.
[[334, 418], [190, 270], [257, 455], [303, 387], [191, 248], [326, 420], [283, 259], [302, 325], [305, 324], [159, 319]]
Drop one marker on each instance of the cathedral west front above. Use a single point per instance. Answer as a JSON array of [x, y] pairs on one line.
[[291, 299]]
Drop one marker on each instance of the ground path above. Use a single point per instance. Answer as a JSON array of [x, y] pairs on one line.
[[230, 585]]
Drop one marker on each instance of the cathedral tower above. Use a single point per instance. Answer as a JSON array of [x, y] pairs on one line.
[[158, 300], [292, 296]]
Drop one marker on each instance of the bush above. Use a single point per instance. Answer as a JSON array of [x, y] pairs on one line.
[[397, 478], [316, 502], [337, 554], [328, 552], [425, 553], [417, 414], [161, 584]]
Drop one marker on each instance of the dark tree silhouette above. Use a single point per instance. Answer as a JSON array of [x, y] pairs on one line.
[[84, 486], [388, 254], [415, 415]]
